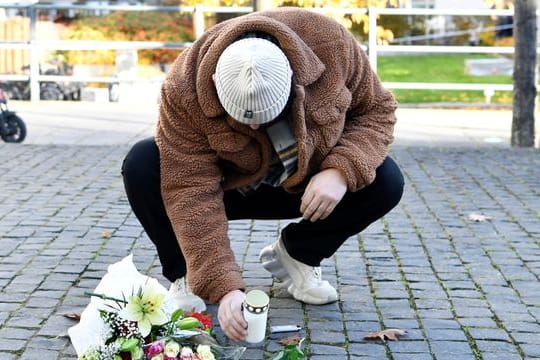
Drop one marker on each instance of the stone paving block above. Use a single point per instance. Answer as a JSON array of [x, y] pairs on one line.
[[325, 315], [64, 277], [489, 334], [459, 349], [526, 338], [405, 345], [277, 320], [39, 354], [501, 356], [406, 324], [253, 354], [440, 324], [486, 322], [531, 351], [56, 326], [371, 350], [324, 326], [336, 338], [495, 346], [8, 307], [422, 289], [432, 304], [55, 285], [464, 311], [506, 317], [272, 346], [391, 294], [466, 294], [7, 356], [435, 314], [446, 334], [473, 303], [359, 307], [28, 319], [397, 313], [57, 343], [413, 356], [12, 345]]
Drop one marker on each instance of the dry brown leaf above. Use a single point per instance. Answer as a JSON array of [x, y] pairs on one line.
[[479, 217], [390, 334], [106, 234], [73, 316], [290, 340]]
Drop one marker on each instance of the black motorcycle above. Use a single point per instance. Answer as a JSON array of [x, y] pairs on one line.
[[12, 127]]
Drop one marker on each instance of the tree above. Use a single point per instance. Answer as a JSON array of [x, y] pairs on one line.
[[384, 36], [128, 26], [524, 73]]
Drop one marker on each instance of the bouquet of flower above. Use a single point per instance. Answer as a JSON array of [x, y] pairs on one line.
[[130, 318]]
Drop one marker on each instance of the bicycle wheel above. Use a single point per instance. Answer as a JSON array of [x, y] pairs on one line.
[[15, 129]]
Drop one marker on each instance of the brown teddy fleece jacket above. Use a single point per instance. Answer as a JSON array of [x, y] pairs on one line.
[[343, 119]]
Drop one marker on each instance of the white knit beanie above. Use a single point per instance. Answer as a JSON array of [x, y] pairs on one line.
[[253, 80]]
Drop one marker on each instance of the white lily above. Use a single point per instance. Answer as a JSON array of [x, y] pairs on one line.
[[145, 307]]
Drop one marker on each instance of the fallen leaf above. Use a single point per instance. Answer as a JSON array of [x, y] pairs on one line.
[[479, 217], [390, 334], [73, 316], [106, 234], [290, 340]]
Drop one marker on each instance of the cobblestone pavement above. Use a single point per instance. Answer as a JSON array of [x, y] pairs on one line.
[[461, 289]]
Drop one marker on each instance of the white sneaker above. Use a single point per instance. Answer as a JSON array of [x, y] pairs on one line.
[[181, 297], [303, 282]]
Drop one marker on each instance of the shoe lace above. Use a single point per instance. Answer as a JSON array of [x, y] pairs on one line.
[[317, 272]]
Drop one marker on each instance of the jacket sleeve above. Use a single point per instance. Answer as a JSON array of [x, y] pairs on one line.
[[369, 124], [193, 198]]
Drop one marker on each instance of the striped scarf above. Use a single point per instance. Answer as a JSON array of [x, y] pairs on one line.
[[284, 155]]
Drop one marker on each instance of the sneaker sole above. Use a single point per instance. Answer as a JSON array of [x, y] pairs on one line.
[[306, 298]]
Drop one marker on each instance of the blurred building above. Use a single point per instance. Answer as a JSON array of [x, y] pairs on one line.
[[448, 4]]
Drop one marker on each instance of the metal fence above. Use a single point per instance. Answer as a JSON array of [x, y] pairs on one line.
[[198, 12]]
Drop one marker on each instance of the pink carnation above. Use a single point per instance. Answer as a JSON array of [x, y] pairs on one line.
[[155, 348]]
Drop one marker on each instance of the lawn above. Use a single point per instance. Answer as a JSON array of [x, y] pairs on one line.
[[439, 68]]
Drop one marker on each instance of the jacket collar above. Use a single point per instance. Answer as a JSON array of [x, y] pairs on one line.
[[306, 66]]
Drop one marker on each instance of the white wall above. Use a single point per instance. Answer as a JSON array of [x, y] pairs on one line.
[[460, 4]]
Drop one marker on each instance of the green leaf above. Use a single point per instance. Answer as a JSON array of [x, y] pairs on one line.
[[177, 315], [292, 349], [129, 344]]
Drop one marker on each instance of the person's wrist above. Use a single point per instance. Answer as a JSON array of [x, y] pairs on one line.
[[338, 173], [241, 291]]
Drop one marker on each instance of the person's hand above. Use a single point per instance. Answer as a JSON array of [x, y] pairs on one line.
[[324, 191], [230, 316]]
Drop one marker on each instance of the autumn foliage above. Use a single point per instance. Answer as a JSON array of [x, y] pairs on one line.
[[178, 27], [384, 35], [129, 26]]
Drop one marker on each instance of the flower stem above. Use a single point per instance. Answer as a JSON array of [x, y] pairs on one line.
[[105, 297]]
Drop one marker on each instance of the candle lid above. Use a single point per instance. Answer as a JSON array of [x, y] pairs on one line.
[[256, 301]]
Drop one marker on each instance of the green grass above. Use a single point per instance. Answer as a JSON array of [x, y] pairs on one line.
[[439, 68]]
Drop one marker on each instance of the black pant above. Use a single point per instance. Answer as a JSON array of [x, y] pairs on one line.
[[308, 242]]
